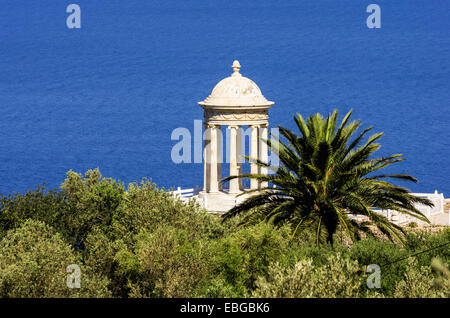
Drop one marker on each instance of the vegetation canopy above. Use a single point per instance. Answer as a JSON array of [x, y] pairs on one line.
[[141, 242]]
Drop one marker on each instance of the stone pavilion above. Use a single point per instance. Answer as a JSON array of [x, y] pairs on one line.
[[235, 102]]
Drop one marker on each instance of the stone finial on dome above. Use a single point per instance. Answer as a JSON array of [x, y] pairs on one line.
[[236, 66]]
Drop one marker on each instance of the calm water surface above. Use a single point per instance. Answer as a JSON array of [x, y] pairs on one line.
[[109, 94]]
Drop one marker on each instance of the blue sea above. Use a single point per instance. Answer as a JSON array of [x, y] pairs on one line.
[[109, 95]]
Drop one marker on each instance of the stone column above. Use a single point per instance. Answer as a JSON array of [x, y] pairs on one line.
[[213, 181], [219, 155], [264, 152], [254, 155], [234, 170], [206, 158], [239, 156]]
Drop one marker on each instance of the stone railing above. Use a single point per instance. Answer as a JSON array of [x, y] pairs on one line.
[[439, 209], [185, 194], [400, 218]]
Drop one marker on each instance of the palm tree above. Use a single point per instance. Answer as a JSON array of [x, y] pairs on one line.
[[324, 178]]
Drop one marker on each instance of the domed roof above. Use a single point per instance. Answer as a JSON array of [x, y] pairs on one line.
[[236, 90]]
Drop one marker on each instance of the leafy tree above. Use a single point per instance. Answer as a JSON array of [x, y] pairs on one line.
[[325, 177], [386, 255], [33, 263], [40, 204], [104, 256], [419, 281], [242, 256], [148, 214], [93, 202], [171, 263], [145, 207], [337, 278]]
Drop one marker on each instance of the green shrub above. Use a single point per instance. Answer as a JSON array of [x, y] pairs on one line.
[[218, 287], [419, 282], [93, 201], [442, 279], [119, 253], [428, 245], [319, 255], [104, 256], [143, 243], [145, 207], [241, 257], [338, 278], [40, 204], [385, 254], [171, 263], [33, 263]]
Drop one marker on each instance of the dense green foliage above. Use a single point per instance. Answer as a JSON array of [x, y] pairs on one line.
[[140, 242], [325, 176], [33, 262]]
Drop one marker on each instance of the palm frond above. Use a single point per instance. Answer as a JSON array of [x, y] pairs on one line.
[[325, 176]]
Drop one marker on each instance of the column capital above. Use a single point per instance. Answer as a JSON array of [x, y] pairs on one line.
[[233, 126]]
